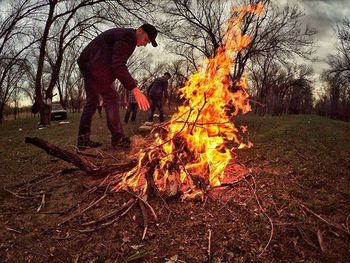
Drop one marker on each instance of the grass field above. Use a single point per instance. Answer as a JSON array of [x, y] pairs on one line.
[[295, 208]]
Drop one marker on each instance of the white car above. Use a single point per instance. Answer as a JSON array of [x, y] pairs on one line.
[[57, 112]]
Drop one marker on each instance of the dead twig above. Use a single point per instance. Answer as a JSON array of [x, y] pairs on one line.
[[97, 156], [13, 230], [339, 227], [305, 238], [320, 240], [209, 245], [145, 218], [16, 194], [111, 214], [83, 211], [44, 176], [263, 210], [144, 200], [199, 111], [175, 135], [42, 204], [229, 184], [115, 219]]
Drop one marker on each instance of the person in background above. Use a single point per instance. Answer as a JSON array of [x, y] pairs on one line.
[[99, 106], [131, 108], [101, 62], [157, 93]]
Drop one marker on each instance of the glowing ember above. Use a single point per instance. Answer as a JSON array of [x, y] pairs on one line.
[[192, 153]]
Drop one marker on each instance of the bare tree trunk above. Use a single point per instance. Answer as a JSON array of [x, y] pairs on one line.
[[44, 108]]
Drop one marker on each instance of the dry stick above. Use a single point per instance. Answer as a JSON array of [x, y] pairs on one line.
[[199, 111], [145, 219], [88, 230], [256, 102], [45, 176], [83, 211], [209, 245], [193, 178], [230, 184], [320, 240], [152, 148], [305, 237], [109, 155], [111, 214], [175, 135], [204, 123], [322, 219], [115, 219], [65, 155], [89, 154], [15, 194], [42, 204], [171, 121], [13, 230], [263, 210], [147, 204]]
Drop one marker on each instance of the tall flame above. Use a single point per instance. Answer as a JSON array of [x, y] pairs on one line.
[[195, 144]]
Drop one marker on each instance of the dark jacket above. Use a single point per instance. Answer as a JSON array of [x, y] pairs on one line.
[[158, 88], [105, 57]]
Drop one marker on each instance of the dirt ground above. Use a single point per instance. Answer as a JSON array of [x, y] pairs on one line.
[[256, 220], [276, 214]]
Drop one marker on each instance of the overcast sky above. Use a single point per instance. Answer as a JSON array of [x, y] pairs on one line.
[[323, 16]]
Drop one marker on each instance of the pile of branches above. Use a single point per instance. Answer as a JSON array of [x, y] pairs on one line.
[[107, 177]]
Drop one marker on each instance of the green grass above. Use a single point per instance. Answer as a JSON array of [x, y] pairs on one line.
[[290, 139], [308, 144], [20, 161]]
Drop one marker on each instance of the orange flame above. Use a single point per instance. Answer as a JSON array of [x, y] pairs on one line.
[[195, 144]]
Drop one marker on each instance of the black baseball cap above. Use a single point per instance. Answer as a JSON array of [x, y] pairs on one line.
[[151, 32]]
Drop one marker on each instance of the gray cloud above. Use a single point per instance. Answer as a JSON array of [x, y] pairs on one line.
[[322, 15]]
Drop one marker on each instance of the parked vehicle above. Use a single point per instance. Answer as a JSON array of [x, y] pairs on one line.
[[57, 112]]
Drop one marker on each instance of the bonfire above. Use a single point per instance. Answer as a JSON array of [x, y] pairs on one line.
[[191, 151], [189, 155]]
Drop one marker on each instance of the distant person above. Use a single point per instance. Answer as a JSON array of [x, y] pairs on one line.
[[158, 93], [99, 106], [131, 108], [101, 62]]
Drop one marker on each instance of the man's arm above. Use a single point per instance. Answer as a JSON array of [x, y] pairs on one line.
[[121, 51]]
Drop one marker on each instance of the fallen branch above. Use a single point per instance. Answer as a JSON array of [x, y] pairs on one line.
[[65, 155], [79, 161]]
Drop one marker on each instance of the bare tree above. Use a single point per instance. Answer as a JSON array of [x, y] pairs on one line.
[[196, 30], [336, 102], [15, 39], [69, 32]]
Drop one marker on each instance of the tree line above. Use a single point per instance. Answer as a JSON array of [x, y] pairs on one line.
[[40, 41]]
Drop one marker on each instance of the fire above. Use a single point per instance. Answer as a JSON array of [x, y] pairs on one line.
[[191, 152]]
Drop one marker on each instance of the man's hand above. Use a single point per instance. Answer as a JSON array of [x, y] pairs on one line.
[[141, 99]]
